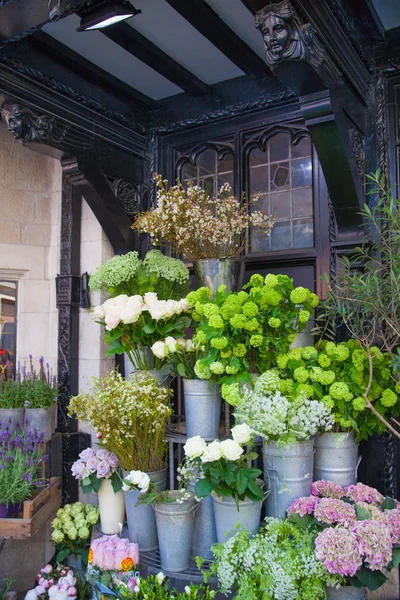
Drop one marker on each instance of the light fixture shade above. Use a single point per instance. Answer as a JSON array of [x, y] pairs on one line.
[[107, 15]]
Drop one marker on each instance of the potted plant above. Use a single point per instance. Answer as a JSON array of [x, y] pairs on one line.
[[71, 533], [134, 323], [338, 375], [11, 400], [130, 417], [39, 389], [20, 459], [224, 472], [357, 535], [211, 232], [287, 424]]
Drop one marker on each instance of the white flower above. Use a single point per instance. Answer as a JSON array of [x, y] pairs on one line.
[[132, 310], [242, 434], [171, 308], [150, 298], [112, 320], [231, 449], [115, 303], [171, 343], [125, 488], [160, 349], [157, 311], [189, 346], [99, 312], [160, 577], [184, 304], [212, 452], [144, 483], [187, 590], [58, 593], [135, 477], [194, 447], [136, 589], [31, 595]]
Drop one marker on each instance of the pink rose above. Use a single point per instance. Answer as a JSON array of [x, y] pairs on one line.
[[91, 464], [40, 590], [109, 560], [103, 469], [72, 591], [79, 470], [113, 460], [133, 552], [47, 569], [86, 454], [102, 454]]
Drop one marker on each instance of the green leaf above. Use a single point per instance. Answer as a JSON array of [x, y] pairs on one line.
[[62, 555], [96, 484], [105, 578], [301, 522], [203, 488], [252, 472], [395, 559], [230, 478], [251, 456], [116, 483], [86, 489], [362, 513], [149, 328], [256, 490], [241, 481], [86, 481], [181, 370], [371, 579], [388, 504]]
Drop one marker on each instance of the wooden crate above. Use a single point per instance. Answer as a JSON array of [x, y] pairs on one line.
[[34, 514]]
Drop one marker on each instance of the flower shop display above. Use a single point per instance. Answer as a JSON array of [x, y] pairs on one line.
[[128, 274], [57, 583], [99, 472], [202, 228], [224, 472], [287, 425], [72, 531], [357, 532], [134, 324], [20, 459], [242, 332]]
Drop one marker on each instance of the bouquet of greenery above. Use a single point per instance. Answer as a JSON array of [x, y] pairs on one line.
[[200, 227], [284, 419], [242, 332], [223, 466], [134, 323], [278, 563], [357, 531], [20, 459], [32, 389], [72, 530], [129, 416], [128, 274], [338, 375]]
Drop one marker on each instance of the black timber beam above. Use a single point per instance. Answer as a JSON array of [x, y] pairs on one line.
[[136, 44], [203, 18], [88, 70]]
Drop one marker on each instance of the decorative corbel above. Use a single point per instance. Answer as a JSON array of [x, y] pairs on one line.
[[29, 127]]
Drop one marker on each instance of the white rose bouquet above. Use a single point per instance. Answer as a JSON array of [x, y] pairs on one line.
[[223, 466], [133, 323]]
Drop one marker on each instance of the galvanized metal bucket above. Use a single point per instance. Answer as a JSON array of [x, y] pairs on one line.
[[288, 474], [214, 272], [202, 408], [12, 417], [336, 458], [229, 520], [146, 357], [142, 527], [41, 419], [175, 524], [204, 532], [346, 592]]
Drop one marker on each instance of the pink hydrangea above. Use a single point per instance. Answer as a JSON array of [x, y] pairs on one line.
[[332, 510], [303, 506], [392, 518], [327, 489], [374, 543], [372, 510], [364, 493], [338, 549]]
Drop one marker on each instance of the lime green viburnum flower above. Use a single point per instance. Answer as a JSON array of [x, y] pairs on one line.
[[217, 368], [239, 350], [271, 280], [274, 322], [219, 342], [388, 398], [301, 374], [304, 316], [299, 295], [216, 322]]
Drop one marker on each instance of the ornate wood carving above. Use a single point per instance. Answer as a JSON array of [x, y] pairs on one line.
[[381, 126], [221, 149], [332, 239], [358, 144], [129, 196], [27, 126], [287, 37], [260, 140]]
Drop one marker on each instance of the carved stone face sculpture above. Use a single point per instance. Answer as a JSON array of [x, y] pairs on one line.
[[13, 117], [276, 35]]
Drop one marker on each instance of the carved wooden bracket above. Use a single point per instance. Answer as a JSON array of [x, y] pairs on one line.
[[27, 126]]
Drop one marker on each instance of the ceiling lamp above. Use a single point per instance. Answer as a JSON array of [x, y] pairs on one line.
[[107, 14]]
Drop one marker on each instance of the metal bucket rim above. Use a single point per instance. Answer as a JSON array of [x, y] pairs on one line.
[[181, 509]]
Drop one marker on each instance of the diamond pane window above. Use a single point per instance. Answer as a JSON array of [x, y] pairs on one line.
[[282, 174]]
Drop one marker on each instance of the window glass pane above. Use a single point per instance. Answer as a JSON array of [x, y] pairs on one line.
[[189, 173], [303, 148], [225, 178], [281, 237], [260, 243], [209, 173], [303, 233], [301, 172], [279, 176], [8, 295], [262, 204], [226, 164], [259, 180], [207, 162], [279, 147], [258, 157], [302, 202], [280, 205]]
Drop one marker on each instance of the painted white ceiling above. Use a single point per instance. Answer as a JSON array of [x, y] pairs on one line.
[[388, 12]]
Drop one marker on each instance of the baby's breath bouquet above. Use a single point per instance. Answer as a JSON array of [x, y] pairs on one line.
[[128, 274], [243, 331], [198, 226], [129, 416]]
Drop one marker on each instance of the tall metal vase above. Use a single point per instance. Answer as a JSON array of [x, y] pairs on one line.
[[213, 272], [336, 458]]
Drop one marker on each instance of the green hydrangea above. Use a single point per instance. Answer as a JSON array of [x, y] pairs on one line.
[[388, 398], [375, 391], [291, 337], [357, 358], [201, 337], [250, 309], [295, 354], [286, 386], [342, 352], [324, 361], [315, 373], [397, 387], [271, 297], [345, 423], [326, 377], [202, 294], [239, 350], [238, 321], [274, 322], [301, 374], [328, 401], [210, 309], [196, 316], [252, 325], [219, 342], [242, 297], [267, 382], [306, 389], [226, 354], [376, 353], [116, 271], [191, 298], [385, 374], [256, 281], [199, 306], [216, 322], [281, 360], [217, 368], [299, 295], [231, 370], [330, 348], [228, 310], [304, 316], [271, 280], [309, 352], [314, 300], [166, 267], [202, 371], [340, 391], [359, 404], [256, 340], [231, 393]]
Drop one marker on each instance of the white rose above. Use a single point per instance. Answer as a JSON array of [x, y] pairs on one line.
[[31, 595], [132, 310], [150, 298], [144, 483], [160, 577], [171, 343], [194, 447], [112, 303], [60, 594], [157, 311], [184, 304], [212, 453], [112, 320], [189, 346], [160, 349], [99, 312], [134, 477], [125, 488], [231, 449], [170, 308], [242, 434]]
